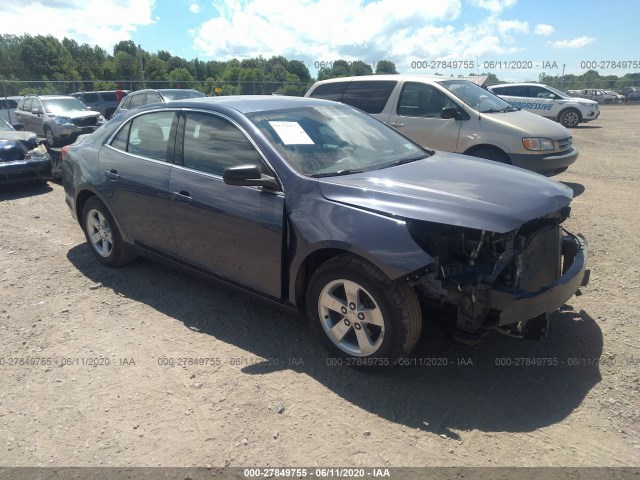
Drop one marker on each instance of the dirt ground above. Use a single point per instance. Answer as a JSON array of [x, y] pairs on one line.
[[147, 366]]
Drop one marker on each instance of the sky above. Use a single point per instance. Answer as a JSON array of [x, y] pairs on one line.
[[515, 39]]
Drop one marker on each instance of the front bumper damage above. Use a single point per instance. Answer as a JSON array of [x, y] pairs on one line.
[[546, 281]]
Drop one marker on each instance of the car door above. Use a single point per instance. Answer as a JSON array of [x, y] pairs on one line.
[[235, 232], [543, 101], [135, 169], [417, 115]]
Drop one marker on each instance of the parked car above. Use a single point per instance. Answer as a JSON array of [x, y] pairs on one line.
[[614, 96], [456, 115], [598, 95], [147, 97], [58, 118], [8, 107], [632, 94], [548, 102], [320, 208], [104, 102], [22, 157]]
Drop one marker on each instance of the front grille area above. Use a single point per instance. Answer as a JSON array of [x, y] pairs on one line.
[[86, 122], [539, 263], [565, 143]]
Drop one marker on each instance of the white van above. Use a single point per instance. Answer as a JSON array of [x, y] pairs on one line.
[[548, 102], [456, 115]]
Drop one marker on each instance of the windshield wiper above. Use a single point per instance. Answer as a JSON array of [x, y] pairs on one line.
[[405, 160], [348, 171], [505, 109]]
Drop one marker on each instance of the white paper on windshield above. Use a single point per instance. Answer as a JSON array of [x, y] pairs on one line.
[[291, 133]]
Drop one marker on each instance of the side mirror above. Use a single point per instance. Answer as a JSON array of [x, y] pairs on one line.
[[36, 111], [18, 126], [552, 96], [451, 112], [249, 176]]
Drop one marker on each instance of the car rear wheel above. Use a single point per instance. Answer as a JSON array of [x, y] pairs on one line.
[[360, 314], [103, 235], [569, 118]]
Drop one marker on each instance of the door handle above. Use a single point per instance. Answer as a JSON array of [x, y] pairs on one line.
[[397, 124], [182, 197], [112, 175]]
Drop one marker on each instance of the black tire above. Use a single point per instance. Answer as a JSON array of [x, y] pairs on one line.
[[112, 251], [51, 140], [490, 154], [394, 305], [109, 113], [570, 118]]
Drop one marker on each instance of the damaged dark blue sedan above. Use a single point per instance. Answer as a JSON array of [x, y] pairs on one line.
[[322, 209], [22, 157]]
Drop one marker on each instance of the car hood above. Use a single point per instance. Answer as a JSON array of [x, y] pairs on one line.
[[14, 145], [452, 189]]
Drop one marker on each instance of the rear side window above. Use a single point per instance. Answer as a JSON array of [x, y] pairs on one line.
[[90, 97], [370, 97], [514, 91], [146, 135], [108, 96], [330, 91]]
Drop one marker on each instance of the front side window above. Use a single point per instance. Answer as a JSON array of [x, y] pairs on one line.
[[138, 100], [481, 100], [212, 143], [422, 100], [146, 135], [152, 98]]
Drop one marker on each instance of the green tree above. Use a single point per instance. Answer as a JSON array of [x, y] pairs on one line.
[[180, 78], [385, 67]]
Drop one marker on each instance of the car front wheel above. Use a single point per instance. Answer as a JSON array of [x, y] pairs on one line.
[[103, 235], [51, 140], [570, 118], [360, 314]]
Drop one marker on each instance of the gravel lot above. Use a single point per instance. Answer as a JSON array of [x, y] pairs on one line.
[[112, 387]]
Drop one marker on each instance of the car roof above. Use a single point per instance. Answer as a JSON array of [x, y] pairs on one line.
[[51, 96], [252, 103], [395, 77], [520, 84]]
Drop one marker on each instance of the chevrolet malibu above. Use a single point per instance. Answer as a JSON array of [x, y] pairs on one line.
[[324, 210]]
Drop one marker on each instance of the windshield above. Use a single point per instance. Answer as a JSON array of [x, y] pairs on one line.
[[4, 126], [476, 97], [182, 94], [334, 140], [61, 105]]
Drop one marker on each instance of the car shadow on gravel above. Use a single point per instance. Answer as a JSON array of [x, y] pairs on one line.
[[14, 191], [503, 384], [578, 188]]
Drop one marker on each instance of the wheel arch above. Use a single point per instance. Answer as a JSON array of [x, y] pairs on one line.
[[486, 146], [312, 261]]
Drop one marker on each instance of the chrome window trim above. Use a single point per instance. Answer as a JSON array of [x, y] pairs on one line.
[[197, 110]]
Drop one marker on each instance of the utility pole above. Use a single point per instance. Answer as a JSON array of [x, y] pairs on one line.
[[562, 77], [141, 66]]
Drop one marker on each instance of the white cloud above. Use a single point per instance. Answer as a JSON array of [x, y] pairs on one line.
[[326, 30], [506, 26], [194, 8], [90, 22], [543, 29], [494, 6], [574, 43]]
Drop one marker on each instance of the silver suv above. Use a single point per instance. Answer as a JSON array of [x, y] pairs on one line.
[[58, 118]]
